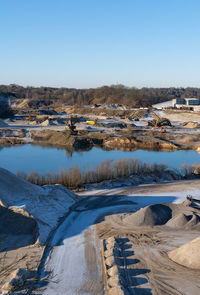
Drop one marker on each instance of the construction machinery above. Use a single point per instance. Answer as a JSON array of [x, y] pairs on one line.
[[92, 122], [72, 125], [191, 199], [158, 121]]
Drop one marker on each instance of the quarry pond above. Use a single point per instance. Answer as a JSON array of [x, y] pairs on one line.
[[42, 159]]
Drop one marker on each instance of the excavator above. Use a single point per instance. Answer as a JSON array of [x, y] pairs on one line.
[[72, 125], [158, 121]]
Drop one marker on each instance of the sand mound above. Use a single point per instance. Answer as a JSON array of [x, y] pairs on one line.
[[34, 123], [17, 229], [47, 123], [15, 191], [188, 254], [151, 215], [24, 103], [16, 221], [182, 215], [179, 220], [46, 204], [3, 124], [191, 125]]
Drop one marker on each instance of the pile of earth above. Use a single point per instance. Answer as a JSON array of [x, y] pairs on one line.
[[191, 125], [52, 122], [187, 255], [17, 228], [170, 215], [48, 122], [22, 103]]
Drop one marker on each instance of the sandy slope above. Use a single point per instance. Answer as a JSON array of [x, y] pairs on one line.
[[46, 204]]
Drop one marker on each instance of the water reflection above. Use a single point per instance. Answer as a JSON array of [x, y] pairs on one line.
[[45, 158], [68, 149]]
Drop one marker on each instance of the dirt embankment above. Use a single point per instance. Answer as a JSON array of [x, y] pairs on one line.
[[63, 138], [140, 142], [9, 136], [126, 140]]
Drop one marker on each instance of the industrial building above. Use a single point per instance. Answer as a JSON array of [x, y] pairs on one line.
[[190, 103]]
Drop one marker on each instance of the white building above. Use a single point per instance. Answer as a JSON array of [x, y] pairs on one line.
[[190, 103]]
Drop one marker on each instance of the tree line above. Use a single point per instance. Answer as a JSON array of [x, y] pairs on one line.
[[114, 94]]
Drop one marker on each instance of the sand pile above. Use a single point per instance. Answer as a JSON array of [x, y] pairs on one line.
[[34, 123], [15, 191], [179, 220], [17, 229], [46, 204], [16, 221], [47, 123], [24, 103], [183, 220], [191, 125], [151, 215], [188, 254], [183, 215], [3, 124]]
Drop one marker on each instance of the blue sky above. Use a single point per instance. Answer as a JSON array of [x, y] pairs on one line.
[[90, 43]]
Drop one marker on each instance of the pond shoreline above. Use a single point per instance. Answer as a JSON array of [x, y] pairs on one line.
[[47, 158]]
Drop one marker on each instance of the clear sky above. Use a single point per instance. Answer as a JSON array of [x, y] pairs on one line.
[[90, 43]]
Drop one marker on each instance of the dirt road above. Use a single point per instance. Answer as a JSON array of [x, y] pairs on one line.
[[74, 262]]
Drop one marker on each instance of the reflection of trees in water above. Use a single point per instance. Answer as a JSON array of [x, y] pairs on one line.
[[118, 148], [2, 146], [69, 149]]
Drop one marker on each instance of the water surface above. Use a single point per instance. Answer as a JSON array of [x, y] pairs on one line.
[[29, 158]]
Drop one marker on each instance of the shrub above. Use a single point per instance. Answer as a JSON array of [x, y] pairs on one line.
[[75, 177]]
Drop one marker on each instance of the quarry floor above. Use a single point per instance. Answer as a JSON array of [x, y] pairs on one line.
[[116, 132], [74, 258]]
